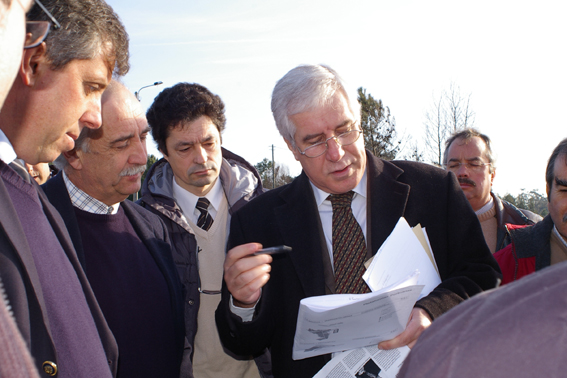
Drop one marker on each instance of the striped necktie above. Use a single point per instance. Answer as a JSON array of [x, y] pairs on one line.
[[349, 247], [205, 220]]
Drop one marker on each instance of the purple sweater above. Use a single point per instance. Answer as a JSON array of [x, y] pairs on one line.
[[79, 349]]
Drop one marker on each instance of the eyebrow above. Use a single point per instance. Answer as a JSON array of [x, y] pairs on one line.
[[560, 182], [477, 158], [311, 136], [183, 143], [122, 139]]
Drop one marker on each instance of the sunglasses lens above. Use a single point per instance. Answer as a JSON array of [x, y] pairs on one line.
[[36, 31]]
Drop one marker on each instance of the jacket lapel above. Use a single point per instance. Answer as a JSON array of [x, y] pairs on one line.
[[300, 225], [58, 195], [10, 223], [387, 198]]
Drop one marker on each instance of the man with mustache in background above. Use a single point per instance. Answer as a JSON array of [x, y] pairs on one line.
[[469, 156], [123, 248]]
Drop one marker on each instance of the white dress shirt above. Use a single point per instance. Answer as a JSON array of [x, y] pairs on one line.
[[187, 201]]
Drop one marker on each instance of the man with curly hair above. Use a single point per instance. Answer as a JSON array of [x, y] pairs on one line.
[[195, 189]]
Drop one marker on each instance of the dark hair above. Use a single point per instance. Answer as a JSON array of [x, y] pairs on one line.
[[183, 102], [466, 135], [560, 150], [87, 28]]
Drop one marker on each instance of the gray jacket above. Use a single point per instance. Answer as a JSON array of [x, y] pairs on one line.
[[240, 183]]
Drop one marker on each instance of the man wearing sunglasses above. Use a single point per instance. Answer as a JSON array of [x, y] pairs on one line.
[[71, 49], [342, 188]]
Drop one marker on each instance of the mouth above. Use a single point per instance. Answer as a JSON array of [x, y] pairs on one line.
[[72, 136], [341, 170], [466, 183]]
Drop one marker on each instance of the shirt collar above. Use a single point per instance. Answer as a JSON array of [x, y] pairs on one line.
[[485, 208], [188, 200], [559, 236], [7, 153], [83, 201], [321, 195]]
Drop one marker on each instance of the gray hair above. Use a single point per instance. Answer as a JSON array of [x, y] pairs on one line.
[[304, 88], [88, 27], [466, 135]]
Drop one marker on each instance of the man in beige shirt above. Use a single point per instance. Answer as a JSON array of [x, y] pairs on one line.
[[468, 154]]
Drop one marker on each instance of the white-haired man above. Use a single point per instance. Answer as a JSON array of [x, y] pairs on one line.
[[319, 121]]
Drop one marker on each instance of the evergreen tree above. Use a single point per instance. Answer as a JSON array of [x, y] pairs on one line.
[[264, 168], [379, 127]]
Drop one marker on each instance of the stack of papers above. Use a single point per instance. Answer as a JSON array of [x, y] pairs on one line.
[[405, 251], [402, 271], [334, 323]]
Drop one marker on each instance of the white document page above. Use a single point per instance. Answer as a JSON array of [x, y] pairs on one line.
[[339, 322], [400, 255], [365, 362]]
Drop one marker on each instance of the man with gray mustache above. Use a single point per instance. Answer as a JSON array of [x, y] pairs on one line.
[[124, 249]]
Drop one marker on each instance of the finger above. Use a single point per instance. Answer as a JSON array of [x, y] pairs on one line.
[[246, 288], [241, 251], [246, 277]]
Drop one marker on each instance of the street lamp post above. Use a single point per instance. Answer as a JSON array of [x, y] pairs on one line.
[[137, 94]]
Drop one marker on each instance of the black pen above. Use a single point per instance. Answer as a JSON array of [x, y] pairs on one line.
[[273, 250]]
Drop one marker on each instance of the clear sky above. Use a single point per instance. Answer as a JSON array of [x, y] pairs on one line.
[[509, 55]]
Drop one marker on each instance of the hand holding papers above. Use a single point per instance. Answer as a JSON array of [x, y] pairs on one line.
[[333, 323], [401, 268]]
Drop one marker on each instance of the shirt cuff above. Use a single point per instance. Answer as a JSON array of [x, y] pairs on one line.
[[245, 313]]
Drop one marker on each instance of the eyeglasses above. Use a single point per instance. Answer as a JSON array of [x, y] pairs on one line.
[[472, 165], [36, 31], [344, 139]]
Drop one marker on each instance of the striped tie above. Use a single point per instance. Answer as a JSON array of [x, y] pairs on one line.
[[205, 220], [349, 247]]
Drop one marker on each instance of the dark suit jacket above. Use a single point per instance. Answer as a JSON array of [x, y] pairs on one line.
[[21, 282], [149, 228], [288, 215]]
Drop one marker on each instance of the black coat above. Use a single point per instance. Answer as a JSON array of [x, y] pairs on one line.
[[288, 215]]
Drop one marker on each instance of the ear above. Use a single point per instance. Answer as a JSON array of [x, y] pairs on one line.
[[164, 155], [74, 159], [293, 150], [492, 177], [547, 190], [31, 61]]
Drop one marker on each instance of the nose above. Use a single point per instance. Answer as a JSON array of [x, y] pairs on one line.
[[92, 117], [200, 155], [334, 150], [139, 156], [462, 171]]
